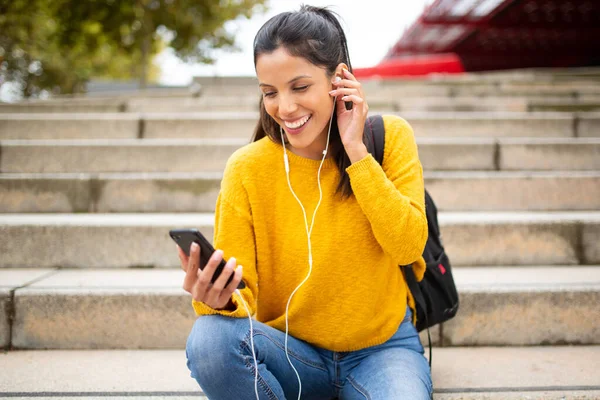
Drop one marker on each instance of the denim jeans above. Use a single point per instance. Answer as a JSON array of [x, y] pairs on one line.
[[219, 357]]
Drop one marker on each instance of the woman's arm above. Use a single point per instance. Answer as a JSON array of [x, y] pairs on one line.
[[393, 197], [234, 235]]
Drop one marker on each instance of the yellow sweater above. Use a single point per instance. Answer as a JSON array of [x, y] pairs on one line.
[[356, 295]]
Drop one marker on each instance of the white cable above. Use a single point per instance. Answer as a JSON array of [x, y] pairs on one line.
[[308, 233], [310, 260], [251, 343]]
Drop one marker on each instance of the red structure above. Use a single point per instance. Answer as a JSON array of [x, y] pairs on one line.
[[452, 36]]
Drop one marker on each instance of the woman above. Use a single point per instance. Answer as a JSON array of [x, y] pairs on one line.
[[332, 281]]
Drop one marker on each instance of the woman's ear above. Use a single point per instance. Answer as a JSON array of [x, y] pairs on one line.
[[338, 72]]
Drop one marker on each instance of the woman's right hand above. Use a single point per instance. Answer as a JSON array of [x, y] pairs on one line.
[[197, 282]]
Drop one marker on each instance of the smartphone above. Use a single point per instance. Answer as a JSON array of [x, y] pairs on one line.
[[185, 237]]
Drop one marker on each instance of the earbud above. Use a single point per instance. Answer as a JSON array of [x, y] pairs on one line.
[[337, 79]]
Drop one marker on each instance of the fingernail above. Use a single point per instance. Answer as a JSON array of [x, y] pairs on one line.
[[332, 92], [195, 246]]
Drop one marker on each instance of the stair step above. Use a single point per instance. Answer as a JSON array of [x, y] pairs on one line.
[[489, 103], [141, 240], [68, 126], [242, 124], [172, 155], [197, 192], [541, 373], [147, 308]]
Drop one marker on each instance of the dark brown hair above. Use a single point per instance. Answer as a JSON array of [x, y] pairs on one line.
[[315, 34]]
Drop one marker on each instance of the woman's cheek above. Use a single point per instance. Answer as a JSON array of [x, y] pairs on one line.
[[270, 107]]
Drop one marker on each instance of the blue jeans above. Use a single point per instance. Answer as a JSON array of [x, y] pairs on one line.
[[219, 357]]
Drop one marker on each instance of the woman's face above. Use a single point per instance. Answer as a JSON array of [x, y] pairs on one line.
[[296, 95]]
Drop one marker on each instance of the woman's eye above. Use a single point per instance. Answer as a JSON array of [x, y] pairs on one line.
[[296, 89]]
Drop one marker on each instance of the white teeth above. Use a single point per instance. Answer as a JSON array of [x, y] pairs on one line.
[[297, 124]]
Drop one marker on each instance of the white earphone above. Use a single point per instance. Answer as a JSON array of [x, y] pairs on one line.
[[310, 259]]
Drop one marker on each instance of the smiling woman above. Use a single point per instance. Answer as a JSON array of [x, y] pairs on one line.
[[333, 315]]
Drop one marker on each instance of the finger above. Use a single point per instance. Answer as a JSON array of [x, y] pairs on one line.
[[237, 278], [348, 74], [348, 83], [351, 81], [191, 273], [205, 275], [182, 258], [344, 91], [340, 106], [224, 277], [216, 290], [353, 98]]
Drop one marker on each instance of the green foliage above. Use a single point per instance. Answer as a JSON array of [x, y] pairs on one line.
[[58, 45]]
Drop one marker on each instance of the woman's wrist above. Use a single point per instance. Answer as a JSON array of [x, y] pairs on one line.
[[230, 306], [356, 152]]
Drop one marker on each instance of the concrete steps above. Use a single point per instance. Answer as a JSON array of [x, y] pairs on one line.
[[541, 373], [242, 124], [529, 102], [173, 155], [148, 309], [87, 197], [517, 373], [158, 192], [141, 240]]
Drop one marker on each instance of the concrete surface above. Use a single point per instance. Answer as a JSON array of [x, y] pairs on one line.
[[458, 373], [588, 125], [242, 124], [125, 308], [10, 280], [94, 240], [25, 193], [123, 155], [198, 155], [141, 240], [69, 126], [198, 191], [549, 154]]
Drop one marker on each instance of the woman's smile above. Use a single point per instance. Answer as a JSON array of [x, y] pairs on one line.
[[296, 126]]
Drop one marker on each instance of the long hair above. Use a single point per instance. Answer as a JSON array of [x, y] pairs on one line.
[[316, 35]]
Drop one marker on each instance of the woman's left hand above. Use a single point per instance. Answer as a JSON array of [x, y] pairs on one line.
[[351, 123]]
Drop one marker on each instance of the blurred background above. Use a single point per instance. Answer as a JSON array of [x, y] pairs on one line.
[[60, 46], [67, 46], [117, 119]]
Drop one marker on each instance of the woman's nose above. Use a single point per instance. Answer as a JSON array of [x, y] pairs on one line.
[[287, 105]]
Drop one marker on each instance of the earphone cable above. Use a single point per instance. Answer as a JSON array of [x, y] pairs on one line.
[[251, 343], [308, 233]]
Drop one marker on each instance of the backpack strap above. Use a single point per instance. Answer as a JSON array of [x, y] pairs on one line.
[[376, 145], [376, 139]]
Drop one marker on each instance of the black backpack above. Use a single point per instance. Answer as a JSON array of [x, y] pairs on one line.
[[435, 295]]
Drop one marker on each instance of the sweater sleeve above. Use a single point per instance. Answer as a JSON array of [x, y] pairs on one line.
[[392, 196], [234, 235]]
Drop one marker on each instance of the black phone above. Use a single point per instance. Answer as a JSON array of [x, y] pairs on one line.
[[185, 237]]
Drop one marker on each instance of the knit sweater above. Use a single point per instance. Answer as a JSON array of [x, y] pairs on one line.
[[356, 295]]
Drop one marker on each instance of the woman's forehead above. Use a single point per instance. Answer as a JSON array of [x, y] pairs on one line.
[[280, 68]]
